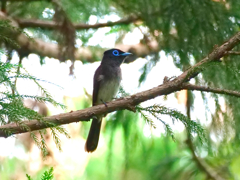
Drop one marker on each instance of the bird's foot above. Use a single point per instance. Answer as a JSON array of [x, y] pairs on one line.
[[167, 79], [104, 103]]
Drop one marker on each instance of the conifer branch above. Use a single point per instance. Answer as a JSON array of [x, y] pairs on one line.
[[124, 103], [210, 89], [215, 56]]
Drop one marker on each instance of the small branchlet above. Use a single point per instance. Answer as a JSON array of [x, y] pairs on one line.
[[12, 109], [156, 111]]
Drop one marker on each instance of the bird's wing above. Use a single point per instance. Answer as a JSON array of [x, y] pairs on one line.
[[98, 78]]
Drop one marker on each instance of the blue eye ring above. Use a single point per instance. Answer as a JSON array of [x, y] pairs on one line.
[[115, 53]]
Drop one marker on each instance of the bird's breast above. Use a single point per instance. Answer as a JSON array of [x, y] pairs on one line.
[[108, 89]]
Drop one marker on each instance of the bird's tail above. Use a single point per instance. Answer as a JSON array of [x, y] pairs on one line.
[[93, 135]]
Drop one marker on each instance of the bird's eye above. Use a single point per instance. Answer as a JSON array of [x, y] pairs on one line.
[[115, 53]]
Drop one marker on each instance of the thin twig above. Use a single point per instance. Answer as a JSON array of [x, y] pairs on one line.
[[210, 89], [18, 72], [233, 53], [201, 164], [25, 23]]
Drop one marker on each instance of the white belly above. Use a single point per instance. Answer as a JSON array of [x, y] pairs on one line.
[[107, 91]]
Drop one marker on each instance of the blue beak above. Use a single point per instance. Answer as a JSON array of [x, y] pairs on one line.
[[125, 54]]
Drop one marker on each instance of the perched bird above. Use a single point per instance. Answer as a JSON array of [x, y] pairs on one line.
[[106, 83]]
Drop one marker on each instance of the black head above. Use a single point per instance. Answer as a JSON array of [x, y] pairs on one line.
[[115, 56]]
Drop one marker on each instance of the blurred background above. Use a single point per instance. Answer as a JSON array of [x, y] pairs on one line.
[[62, 42]]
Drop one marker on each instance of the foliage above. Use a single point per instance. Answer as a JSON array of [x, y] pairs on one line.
[[156, 111], [12, 107], [148, 158], [4, 25], [47, 175], [185, 30]]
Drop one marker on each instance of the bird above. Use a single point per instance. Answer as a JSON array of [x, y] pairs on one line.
[[106, 83]]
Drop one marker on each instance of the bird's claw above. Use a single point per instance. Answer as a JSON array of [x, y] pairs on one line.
[[104, 103]]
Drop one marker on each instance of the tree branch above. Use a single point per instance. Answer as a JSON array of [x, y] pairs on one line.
[[43, 49], [88, 113], [233, 53], [35, 23], [209, 89], [127, 102], [37, 46]]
